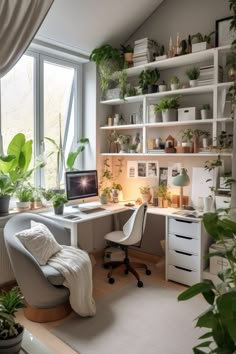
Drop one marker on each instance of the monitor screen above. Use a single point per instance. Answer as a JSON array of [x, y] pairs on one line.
[[81, 184]]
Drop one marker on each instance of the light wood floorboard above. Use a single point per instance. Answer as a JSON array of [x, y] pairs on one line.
[[101, 289]]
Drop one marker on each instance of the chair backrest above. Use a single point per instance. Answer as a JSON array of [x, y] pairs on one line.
[[135, 226]]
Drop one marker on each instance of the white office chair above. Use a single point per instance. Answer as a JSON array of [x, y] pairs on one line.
[[131, 235]]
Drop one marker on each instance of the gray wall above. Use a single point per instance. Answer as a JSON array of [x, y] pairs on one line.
[[183, 16]]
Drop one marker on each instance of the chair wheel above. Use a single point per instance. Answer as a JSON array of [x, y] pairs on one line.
[[148, 272], [111, 280], [126, 271], [139, 284], [105, 266]]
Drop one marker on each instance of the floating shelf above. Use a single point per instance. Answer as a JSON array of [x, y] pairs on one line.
[[125, 126], [205, 154]]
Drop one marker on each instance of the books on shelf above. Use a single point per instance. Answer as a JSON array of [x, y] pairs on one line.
[[206, 76], [156, 151], [144, 50]]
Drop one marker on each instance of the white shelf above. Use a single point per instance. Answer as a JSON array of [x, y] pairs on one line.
[[182, 60], [124, 126], [185, 91], [178, 123], [226, 85], [225, 120], [205, 154]]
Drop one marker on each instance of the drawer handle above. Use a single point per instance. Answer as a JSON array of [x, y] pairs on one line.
[[187, 270], [186, 254], [185, 237], [186, 221]]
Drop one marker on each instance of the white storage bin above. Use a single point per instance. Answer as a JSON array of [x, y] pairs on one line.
[[198, 47], [188, 113]]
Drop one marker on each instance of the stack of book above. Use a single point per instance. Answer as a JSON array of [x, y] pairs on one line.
[[144, 50], [156, 151], [207, 75]]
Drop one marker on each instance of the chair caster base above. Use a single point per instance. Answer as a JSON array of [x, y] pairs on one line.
[[148, 272], [139, 284], [111, 280]]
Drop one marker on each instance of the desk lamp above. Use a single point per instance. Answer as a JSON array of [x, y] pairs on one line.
[[181, 181]]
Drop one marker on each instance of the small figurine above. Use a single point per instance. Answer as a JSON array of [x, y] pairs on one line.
[[177, 51], [170, 50], [183, 47]]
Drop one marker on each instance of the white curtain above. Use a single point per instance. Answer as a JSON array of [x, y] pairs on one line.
[[19, 22]]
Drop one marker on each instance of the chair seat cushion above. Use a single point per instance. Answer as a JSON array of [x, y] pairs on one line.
[[40, 242], [116, 236], [52, 274]]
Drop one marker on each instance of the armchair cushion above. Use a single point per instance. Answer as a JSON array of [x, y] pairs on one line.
[[40, 242]]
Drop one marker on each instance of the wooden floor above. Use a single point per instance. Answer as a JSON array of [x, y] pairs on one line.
[[101, 288]]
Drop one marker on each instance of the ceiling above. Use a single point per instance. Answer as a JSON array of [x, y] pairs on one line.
[[84, 25]]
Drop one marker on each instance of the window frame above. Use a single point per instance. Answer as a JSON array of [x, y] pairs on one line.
[[40, 56]]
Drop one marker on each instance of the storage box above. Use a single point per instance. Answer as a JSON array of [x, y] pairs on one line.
[[188, 113], [112, 94], [217, 264]]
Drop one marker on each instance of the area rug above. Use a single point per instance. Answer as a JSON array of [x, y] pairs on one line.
[[133, 320]]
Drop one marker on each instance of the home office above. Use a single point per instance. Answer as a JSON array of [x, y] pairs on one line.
[[127, 127]]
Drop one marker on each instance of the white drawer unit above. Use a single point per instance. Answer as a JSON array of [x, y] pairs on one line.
[[184, 259], [183, 275], [183, 243], [184, 227], [183, 254]]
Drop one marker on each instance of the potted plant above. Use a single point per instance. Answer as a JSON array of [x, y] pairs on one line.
[[124, 141], [201, 42], [115, 189], [205, 137], [108, 60], [123, 79], [58, 201], [148, 80], [132, 148], [187, 139], [193, 75], [163, 196], [146, 193], [205, 109], [127, 52], [11, 332], [174, 82], [224, 141], [14, 169], [105, 195], [24, 194], [197, 133], [220, 318], [168, 107]]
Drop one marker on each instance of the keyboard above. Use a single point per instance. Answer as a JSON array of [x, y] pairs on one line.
[[92, 210]]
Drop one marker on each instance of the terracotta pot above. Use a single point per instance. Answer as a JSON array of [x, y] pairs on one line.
[[128, 57], [146, 198], [160, 202], [165, 203], [196, 145]]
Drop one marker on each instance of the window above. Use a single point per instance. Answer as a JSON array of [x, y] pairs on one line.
[[34, 94]]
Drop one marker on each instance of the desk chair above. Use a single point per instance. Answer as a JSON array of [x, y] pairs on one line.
[[130, 235]]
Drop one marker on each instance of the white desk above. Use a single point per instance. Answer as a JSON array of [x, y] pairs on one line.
[[186, 238]]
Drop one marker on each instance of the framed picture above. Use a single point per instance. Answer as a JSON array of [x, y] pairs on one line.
[[163, 175], [224, 35]]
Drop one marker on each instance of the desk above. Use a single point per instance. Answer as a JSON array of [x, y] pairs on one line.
[[186, 238]]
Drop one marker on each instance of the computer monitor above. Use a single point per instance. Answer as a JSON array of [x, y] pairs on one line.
[[81, 184]]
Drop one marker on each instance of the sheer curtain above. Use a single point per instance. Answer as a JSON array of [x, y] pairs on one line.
[[20, 20]]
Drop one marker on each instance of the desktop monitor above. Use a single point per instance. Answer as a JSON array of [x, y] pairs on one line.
[[81, 184]]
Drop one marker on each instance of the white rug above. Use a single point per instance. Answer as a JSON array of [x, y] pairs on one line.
[[133, 320]]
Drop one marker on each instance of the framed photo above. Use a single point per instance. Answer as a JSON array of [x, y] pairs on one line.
[[163, 176], [224, 35], [142, 169]]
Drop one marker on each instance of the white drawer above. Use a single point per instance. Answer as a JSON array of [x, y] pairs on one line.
[[184, 243], [183, 276], [185, 227], [183, 259]]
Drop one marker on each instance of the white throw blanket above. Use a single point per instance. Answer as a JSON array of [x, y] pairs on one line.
[[75, 265]]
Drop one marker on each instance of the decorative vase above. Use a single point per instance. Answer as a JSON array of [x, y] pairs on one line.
[[165, 203], [115, 195], [160, 202], [104, 199], [196, 144]]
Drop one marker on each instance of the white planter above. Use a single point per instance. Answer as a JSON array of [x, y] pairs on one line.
[[162, 88], [174, 87], [205, 143], [204, 113], [208, 203], [22, 205], [193, 83], [197, 47], [170, 115]]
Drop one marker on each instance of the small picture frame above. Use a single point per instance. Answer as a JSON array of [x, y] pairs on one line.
[[224, 35]]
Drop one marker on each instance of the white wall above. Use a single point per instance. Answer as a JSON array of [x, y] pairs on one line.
[[183, 16]]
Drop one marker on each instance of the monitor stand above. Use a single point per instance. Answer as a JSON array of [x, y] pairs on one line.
[[88, 207]]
